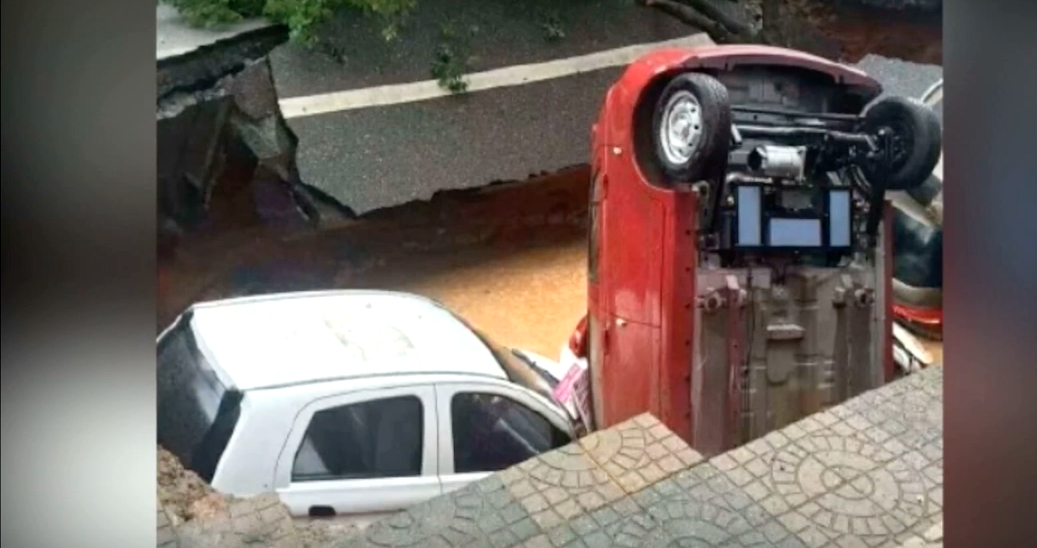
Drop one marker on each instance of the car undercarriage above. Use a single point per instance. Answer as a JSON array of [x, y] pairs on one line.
[[742, 252]]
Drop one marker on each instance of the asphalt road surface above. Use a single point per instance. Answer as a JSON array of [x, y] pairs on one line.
[[385, 155]]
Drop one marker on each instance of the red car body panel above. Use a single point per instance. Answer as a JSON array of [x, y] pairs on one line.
[[647, 237]]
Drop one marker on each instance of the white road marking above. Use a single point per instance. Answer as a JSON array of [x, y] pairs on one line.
[[516, 75]]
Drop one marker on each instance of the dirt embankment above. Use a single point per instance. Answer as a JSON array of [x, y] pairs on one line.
[[857, 31], [183, 494], [847, 31]]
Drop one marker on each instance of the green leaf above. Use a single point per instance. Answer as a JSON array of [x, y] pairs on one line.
[[302, 17]]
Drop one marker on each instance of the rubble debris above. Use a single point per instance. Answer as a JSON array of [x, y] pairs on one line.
[[182, 493]]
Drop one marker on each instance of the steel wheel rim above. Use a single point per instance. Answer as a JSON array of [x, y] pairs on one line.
[[680, 133]]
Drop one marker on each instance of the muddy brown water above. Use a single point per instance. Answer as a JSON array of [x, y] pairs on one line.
[[526, 292], [528, 295]]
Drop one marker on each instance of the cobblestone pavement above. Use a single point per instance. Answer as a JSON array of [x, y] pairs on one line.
[[868, 473]]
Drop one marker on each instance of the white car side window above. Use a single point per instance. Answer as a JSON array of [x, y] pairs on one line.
[[378, 438], [492, 432]]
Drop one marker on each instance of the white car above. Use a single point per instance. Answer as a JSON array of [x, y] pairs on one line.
[[348, 402]]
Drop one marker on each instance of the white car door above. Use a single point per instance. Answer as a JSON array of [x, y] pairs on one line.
[[487, 427], [362, 453]]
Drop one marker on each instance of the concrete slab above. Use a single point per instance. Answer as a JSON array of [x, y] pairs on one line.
[[866, 473], [386, 156], [174, 37]]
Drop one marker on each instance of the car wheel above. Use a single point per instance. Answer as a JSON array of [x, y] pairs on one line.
[[917, 140], [691, 125]]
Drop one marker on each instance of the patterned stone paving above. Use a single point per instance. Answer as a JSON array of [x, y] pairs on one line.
[[865, 474], [868, 473], [881, 507], [560, 485], [480, 515], [909, 412], [600, 469], [933, 538], [639, 452], [701, 507]]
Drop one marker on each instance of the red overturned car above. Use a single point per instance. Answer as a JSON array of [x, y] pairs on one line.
[[739, 246]]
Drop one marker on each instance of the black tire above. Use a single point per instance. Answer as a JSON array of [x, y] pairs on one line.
[[715, 139], [917, 256], [918, 137]]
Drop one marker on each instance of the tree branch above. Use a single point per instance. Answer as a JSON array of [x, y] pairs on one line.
[[772, 23], [689, 15], [710, 10]]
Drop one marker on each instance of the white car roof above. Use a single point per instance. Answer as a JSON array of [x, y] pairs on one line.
[[295, 338]]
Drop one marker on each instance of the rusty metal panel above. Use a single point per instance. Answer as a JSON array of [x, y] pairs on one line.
[[776, 346]]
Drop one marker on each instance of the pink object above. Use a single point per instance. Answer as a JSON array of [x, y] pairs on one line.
[[563, 391]]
